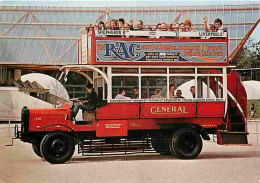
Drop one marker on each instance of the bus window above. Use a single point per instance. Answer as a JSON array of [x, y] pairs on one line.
[[153, 87], [153, 70], [182, 71], [183, 83], [209, 71], [125, 70], [210, 87], [126, 82]]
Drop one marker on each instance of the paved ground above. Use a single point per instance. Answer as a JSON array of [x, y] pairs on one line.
[[216, 163]]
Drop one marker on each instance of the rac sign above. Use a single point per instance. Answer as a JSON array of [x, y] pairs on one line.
[[122, 51]]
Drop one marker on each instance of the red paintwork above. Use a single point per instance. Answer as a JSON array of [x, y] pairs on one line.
[[128, 118], [210, 109], [93, 51], [114, 128], [168, 110], [40, 118], [118, 111], [236, 88]]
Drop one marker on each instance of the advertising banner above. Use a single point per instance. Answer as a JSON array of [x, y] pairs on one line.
[[144, 51]]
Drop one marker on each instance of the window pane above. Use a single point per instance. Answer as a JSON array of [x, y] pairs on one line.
[[126, 82], [183, 84], [125, 70], [153, 87], [209, 71], [210, 87], [182, 71], [154, 71]]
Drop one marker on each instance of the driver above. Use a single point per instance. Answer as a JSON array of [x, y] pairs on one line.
[[90, 101]]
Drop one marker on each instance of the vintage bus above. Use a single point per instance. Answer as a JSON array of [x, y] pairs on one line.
[[185, 90]]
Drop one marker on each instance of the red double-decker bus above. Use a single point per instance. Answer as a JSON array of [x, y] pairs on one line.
[[184, 90]]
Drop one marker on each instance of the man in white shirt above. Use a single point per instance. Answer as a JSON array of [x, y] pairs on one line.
[[217, 24]]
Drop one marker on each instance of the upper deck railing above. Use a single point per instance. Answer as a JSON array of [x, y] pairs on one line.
[[126, 47]]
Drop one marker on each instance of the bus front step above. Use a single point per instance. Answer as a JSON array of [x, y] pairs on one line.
[[225, 137]]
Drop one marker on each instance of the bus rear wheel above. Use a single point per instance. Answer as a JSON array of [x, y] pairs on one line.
[[57, 147], [186, 143]]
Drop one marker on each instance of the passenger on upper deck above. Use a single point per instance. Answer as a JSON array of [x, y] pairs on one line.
[[108, 25], [140, 25], [122, 94], [113, 25], [217, 24], [101, 26], [164, 27], [158, 27], [127, 26], [121, 23], [187, 25]]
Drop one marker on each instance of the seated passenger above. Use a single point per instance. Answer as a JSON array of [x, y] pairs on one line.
[[122, 94], [193, 91], [171, 91], [135, 93], [178, 94], [157, 94], [91, 101]]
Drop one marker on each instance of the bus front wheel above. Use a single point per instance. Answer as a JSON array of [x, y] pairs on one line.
[[186, 143], [57, 147], [36, 148]]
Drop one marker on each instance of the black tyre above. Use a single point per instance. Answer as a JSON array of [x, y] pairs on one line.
[[186, 143], [160, 145], [36, 148], [57, 147]]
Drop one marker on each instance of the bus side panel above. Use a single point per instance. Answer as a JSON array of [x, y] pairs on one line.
[[210, 109], [45, 119], [118, 111], [112, 128], [168, 110]]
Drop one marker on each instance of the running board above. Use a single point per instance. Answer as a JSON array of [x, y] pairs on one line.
[[232, 138]]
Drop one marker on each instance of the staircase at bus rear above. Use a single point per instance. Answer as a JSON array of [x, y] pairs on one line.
[[235, 133]]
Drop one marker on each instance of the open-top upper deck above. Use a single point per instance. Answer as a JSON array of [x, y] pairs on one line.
[[122, 47]]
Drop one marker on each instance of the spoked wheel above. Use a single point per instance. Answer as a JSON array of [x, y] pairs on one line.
[[36, 148], [186, 143], [57, 147], [160, 145]]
